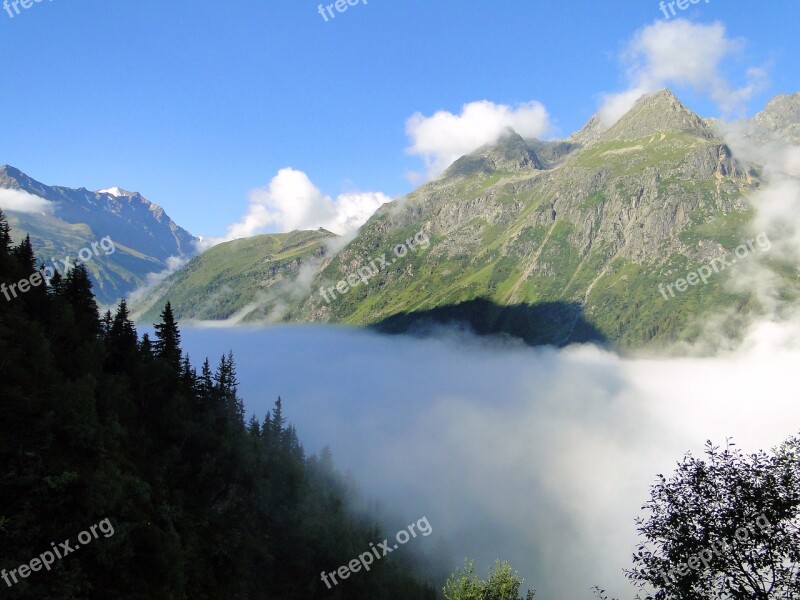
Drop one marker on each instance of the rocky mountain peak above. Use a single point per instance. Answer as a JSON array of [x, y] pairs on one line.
[[657, 112], [590, 132], [509, 153], [781, 118]]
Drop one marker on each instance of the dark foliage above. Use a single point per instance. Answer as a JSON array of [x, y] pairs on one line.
[[724, 527], [98, 424]]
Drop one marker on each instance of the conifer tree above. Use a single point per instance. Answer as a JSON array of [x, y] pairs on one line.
[[168, 339], [122, 341], [146, 347], [278, 422], [5, 235], [77, 291], [25, 255], [105, 324], [188, 377], [56, 284]]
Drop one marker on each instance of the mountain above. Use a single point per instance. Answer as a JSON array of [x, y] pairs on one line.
[[143, 234], [560, 241], [779, 120], [660, 112], [636, 207], [510, 154], [261, 272]]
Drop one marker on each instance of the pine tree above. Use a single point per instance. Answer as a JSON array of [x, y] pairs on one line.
[[235, 404], [146, 347], [266, 431], [188, 377], [227, 390], [105, 324], [5, 235], [35, 299], [168, 339], [26, 256], [122, 341], [7, 262], [77, 291], [278, 422], [205, 387], [56, 284]]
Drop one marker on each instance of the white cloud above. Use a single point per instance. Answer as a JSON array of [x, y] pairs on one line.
[[291, 201], [684, 54], [444, 137], [20, 201]]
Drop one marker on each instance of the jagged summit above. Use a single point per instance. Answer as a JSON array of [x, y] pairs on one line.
[[783, 106], [781, 118], [10, 171], [508, 153], [657, 112], [13, 178], [589, 133]]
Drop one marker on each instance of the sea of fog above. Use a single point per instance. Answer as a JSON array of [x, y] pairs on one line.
[[541, 457]]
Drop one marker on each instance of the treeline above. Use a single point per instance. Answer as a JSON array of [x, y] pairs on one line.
[[97, 423]]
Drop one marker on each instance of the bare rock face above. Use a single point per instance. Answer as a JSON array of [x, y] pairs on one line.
[[590, 132], [509, 154], [597, 220], [563, 236], [657, 113], [780, 120]]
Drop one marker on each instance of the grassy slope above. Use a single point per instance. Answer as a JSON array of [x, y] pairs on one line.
[[497, 237], [229, 277], [624, 301]]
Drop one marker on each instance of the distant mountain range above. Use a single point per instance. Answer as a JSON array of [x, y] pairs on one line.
[[144, 236], [549, 241]]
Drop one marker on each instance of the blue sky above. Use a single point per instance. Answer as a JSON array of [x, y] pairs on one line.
[[195, 104]]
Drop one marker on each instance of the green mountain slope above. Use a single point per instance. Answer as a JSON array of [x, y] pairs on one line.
[[572, 237], [256, 277]]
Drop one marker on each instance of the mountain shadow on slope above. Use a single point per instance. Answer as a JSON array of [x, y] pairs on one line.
[[545, 323]]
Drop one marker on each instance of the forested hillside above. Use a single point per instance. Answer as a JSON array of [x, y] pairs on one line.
[[98, 424]]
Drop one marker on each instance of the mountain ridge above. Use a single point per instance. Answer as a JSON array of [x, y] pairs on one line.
[[143, 232]]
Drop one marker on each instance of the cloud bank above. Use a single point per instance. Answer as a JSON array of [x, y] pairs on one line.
[[539, 456], [542, 457]]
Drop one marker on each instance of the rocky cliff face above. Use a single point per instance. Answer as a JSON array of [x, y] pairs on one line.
[[779, 120], [598, 225], [555, 241]]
